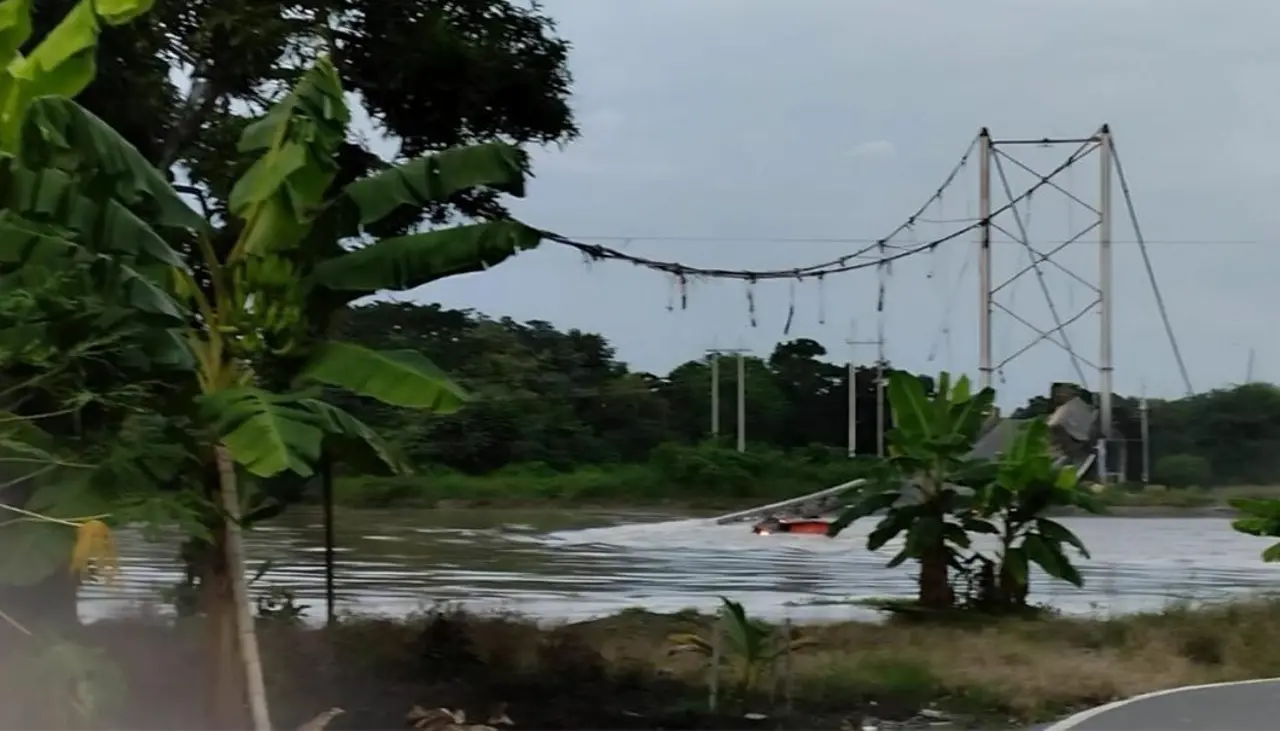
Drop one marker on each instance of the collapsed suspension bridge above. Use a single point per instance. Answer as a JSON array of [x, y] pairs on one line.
[[1004, 215]]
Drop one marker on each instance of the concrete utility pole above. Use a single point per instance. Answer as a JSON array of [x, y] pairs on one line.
[[742, 402], [853, 344], [1145, 415], [880, 386], [984, 259], [1105, 366], [714, 356]]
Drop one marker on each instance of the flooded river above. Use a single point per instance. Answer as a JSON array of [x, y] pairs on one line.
[[574, 565]]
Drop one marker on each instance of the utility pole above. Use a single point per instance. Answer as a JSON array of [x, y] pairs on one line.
[[742, 402], [714, 356], [853, 344], [1105, 366], [984, 258], [1248, 369], [1144, 414], [880, 386]]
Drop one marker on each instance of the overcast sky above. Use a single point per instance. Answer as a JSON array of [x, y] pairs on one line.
[[756, 120]]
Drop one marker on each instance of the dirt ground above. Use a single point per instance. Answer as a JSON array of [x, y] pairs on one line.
[[376, 670]]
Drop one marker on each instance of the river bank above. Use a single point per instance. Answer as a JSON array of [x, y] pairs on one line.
[[619, 672], [640, 487]]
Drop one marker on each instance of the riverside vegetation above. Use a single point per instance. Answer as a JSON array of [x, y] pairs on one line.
[[194, 370], [557, 417]]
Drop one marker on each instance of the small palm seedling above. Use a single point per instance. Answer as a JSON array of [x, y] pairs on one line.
[[443, 719], [321, 720], [751, 647]]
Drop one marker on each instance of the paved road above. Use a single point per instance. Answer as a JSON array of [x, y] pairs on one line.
[[1246, 706]]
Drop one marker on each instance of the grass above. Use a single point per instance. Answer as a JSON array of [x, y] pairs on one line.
[[1013, 670], [647, 484], [1194, 497], [702, 476]]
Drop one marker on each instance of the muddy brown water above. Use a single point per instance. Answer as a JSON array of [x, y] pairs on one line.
[[569, 565]]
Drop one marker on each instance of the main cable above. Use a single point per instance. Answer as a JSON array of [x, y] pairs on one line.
[[598, 252], [1151, 272]]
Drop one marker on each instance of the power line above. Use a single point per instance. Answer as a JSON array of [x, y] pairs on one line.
[[842, 240]]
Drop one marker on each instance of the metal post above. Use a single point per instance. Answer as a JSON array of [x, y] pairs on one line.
[[984, 258], [853, 344], [715, 394], [742, 402], [853, 410], [1145, 415], [880, 404], [1104, 295], [326, 490]]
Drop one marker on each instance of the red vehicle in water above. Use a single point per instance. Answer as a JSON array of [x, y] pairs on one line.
[[809, 526]]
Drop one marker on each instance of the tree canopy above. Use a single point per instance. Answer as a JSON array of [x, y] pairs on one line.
[[431, 74]]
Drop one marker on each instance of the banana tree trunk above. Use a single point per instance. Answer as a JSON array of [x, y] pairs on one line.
[[255, 686], [225, 701], [935, 579]]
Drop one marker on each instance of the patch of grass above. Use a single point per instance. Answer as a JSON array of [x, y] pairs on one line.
[[1156, 496], [705, 476]]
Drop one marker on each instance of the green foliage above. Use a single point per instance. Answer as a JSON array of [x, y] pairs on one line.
[[919, 486], [1027, 483], [278, 201], [508, 80], [934, 495], [1182, 471], [751, 646], [61, 64], [1259, 518]]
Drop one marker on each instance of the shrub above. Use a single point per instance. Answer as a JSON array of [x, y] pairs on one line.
[[1182, 471]]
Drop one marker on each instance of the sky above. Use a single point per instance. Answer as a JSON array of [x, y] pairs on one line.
[[742, 133]]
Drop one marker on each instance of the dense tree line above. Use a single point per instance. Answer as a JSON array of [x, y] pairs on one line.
[[564, 399]]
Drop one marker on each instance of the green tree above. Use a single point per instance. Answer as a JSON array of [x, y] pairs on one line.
[[921, 482], [1027, 483], [55, 332], [507, 80], [269, 298]]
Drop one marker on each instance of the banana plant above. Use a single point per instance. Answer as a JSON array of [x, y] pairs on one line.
[[919, 486], [77, 191], [62, 64], [752, 647], [1027, 482]]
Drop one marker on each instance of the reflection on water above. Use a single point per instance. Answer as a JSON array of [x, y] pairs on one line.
[[573, 565]]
